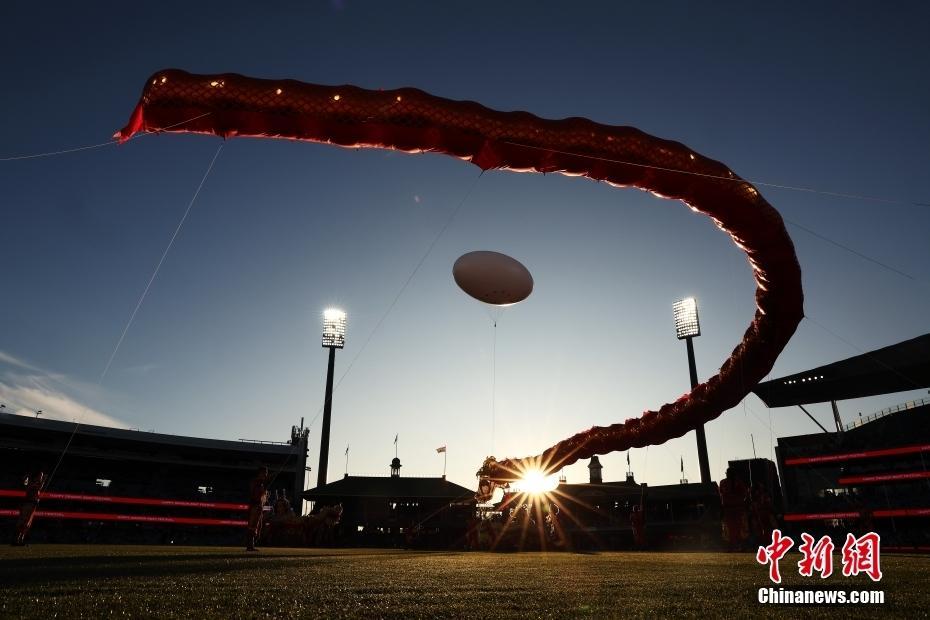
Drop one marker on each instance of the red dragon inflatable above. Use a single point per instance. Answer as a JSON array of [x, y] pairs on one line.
[[413, 121]]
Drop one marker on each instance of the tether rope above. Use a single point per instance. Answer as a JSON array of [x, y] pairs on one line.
[[177, 230]]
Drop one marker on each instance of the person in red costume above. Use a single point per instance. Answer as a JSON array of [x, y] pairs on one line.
[[733, 497], [258, 495], [27, 511]]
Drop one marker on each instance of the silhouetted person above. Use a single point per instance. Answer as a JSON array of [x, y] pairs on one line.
[[258, 495], [733, 497], [27, 511], [763, 513], [471, 533], [282, 507], [638, 521]]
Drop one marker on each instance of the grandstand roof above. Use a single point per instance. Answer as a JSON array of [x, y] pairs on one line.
[[390, 487], [896, 368], [88, 432]]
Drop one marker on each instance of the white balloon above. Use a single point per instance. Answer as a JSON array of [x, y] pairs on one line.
[[492, 277]]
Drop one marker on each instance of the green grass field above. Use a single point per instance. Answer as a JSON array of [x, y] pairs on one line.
[[198, 582]]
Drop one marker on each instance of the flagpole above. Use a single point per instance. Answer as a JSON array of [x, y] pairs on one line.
[[445, 457], [347, 461]]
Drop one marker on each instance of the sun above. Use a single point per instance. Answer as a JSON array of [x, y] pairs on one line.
[[535, 482]]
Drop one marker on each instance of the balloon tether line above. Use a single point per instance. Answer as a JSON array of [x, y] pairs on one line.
[[493, 381], [402, 289]]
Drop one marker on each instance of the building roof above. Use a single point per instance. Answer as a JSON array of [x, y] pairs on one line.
[[390, 487], [896, 368], [625, 489], [130, 438], [907, 424]]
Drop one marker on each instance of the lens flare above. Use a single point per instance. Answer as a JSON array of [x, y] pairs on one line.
[[535, 482]]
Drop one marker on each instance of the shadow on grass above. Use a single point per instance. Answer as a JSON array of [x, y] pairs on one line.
[[24, 571], [47, 569]]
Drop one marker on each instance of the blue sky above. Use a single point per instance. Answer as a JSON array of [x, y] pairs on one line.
[[832, 97]]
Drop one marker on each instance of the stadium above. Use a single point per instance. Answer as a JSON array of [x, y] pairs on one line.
[[638, 290], [126, 486]]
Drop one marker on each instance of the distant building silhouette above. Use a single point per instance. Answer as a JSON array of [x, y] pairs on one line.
[[123, 486], [676, 516], [595, 469], [393, 511]]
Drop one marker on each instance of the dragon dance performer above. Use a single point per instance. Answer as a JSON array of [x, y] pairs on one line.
[[258, 495], [733, 498], [638, 521], [27, 511], [763, 513]]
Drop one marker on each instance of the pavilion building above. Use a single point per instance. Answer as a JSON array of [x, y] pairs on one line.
[[397, 511]]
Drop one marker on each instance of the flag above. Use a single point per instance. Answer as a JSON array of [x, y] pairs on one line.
[[628, 459], [347, 449], [441, 449], [395, 439], [682, 464]]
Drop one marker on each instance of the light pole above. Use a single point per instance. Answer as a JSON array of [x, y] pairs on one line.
[[334, 337], [687, 327]]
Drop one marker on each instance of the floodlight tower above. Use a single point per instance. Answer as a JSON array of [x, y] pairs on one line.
[[687, 327], [334, 337]]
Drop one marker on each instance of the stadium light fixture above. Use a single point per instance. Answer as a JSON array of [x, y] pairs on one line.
[[334, 328], [687, 324], [334, 337], [688, 327]]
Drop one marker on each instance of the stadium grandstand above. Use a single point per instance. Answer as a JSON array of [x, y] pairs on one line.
[[124, 486], [872, 473]]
